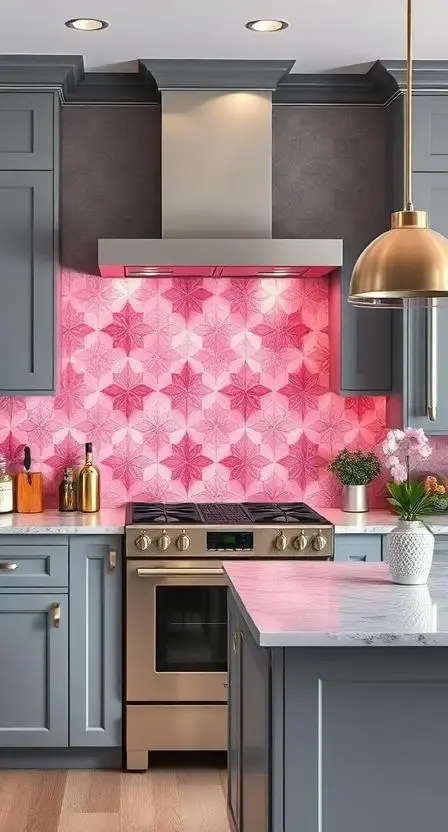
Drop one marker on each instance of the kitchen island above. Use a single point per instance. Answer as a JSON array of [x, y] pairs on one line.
[[338, 699]]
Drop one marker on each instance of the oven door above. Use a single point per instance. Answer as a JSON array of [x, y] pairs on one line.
[[176, 631]]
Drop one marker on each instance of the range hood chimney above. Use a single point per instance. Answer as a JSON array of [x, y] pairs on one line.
[[217, 181]]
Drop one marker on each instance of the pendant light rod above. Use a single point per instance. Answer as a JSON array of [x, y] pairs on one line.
[[408, 129]]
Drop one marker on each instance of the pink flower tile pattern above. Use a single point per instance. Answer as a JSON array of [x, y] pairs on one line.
[[201, 389]]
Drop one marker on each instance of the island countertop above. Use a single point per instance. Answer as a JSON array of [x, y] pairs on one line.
[[106, 521], [298, 604]]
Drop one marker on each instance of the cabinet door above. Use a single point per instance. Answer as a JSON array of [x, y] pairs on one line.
[[26, 131], [255, 737], [430, 133], [26, 282], [440, 548], [358, 548], [95, 641], [430, 194], [234, 721], [34, 670]]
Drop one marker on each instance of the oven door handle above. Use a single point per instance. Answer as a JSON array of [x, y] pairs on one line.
[[153, 572]]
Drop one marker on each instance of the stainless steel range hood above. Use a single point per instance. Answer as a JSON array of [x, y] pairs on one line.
[[217, 181]]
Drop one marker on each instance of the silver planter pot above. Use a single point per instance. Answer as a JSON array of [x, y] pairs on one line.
[[354, 498]]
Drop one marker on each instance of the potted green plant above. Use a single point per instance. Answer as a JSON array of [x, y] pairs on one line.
[[355, 470]]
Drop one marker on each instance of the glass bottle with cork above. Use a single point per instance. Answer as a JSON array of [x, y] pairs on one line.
[[89, 484], [6, 489]]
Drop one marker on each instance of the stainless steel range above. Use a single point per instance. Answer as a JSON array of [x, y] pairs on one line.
[[176, 611]]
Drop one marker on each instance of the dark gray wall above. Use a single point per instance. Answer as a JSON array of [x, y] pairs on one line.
[[110, 178], [329, 172]]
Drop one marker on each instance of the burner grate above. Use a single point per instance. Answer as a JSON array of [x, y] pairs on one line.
[[218, 514], [282, 513], [165, 514]]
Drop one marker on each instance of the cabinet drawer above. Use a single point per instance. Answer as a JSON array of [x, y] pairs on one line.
[[358, 548], [26, 131], [35, 566]]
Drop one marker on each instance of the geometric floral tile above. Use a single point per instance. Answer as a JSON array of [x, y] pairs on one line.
[[202, 389]]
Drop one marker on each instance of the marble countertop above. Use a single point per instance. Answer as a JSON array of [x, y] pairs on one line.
[[376, 522], [106, 521], [291, 604]]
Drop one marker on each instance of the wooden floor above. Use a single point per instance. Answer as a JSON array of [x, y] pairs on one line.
[[161, 800]]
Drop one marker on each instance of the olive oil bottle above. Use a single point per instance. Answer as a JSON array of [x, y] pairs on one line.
[[89, 484]]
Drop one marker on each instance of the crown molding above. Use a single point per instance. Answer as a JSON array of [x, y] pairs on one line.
[[372, 87], [61, 73], [428, 76], [115, 88], [216, 75]]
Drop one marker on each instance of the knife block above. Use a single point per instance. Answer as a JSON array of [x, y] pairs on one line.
[[29, 493]]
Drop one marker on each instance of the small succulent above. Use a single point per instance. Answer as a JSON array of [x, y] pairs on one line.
[[355, 467]]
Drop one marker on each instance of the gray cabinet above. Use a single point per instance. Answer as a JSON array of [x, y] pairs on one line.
[[421, 348], [95, 641], [34, 670], [430, 133], [356, 548], [29, 200], [249, 746], [234, 720], [27, 131]]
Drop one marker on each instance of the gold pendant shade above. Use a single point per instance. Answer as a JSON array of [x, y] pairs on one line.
[[409, 262]]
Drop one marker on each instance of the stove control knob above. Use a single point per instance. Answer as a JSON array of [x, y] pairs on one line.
[[281, 542], [143, 541], [300, 542], [319, 542], [183, 541], [163, 541]]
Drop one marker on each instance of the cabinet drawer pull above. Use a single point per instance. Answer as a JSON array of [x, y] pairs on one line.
[[8, 567], [112, 558], [235, 642], [56, 610], [432, 359], [358, 558]]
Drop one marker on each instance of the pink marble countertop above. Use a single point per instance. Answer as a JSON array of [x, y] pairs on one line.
[[297, 604]]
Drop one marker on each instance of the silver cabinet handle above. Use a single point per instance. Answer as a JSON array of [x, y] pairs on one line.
[[151, 572], [8, 567], [112, 558], [56, 611], [432, 360]]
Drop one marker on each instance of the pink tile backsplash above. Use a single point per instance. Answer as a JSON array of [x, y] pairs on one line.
[[209, 389]]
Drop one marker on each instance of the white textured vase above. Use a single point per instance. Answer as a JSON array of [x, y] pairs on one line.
[[410, 551]]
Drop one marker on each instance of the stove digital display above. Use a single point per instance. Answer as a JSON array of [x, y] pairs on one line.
[[230, 541]]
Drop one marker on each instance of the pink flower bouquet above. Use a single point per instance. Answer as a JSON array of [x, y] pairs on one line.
[[402, 449]]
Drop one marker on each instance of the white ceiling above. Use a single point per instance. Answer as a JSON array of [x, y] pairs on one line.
[[322, 35]]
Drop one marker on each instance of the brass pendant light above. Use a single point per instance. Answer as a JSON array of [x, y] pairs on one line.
[[409, 263]]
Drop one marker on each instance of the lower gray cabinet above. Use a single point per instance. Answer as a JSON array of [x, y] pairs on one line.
[[95, 641], [358, 548], [34, 670], [249, 747]]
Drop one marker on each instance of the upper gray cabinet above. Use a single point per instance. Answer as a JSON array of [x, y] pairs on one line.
[[421, 342], [425, 334], [29, 212], [430, 133], [26, 131]]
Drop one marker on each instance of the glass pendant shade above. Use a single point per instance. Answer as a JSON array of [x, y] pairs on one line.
[[407, 263]]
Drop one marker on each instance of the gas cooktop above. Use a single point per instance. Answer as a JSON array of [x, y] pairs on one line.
[[223, 514], [238, 529]]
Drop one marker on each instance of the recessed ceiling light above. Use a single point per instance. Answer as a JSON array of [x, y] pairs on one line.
[[86, 24], [266, 25]]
